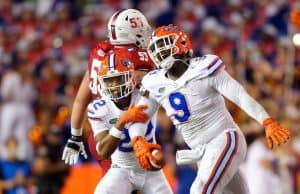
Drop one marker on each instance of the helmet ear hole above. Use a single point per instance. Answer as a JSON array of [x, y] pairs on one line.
[[183, 42]]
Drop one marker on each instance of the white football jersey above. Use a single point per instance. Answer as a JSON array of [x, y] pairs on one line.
[[195, 103], [103, 114]]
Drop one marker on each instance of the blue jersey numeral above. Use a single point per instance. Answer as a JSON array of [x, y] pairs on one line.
[[125, 146], [98, 104], [178, 102]]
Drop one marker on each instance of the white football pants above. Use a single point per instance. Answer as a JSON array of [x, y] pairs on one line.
[[220, 163], [123, 181]]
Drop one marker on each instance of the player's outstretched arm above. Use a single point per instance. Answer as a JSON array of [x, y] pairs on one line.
[[75, 144], [231, 89], [108, 140]]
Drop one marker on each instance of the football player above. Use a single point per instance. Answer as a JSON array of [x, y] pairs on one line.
[[191, 90], [109, 117], [127, 30]]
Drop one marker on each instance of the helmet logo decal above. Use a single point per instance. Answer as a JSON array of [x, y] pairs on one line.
[[113, 28], [170, 28], [125, 63], [136, 22]]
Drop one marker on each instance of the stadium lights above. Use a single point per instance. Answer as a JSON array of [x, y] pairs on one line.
[[296, 39]]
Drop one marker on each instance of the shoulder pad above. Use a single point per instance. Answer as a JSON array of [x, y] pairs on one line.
[[197, 59], [150, 77], [153, 73], [97, 108], [211, 64], [132, 48]]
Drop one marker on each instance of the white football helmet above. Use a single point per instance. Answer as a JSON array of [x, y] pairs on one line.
[[129, 26]]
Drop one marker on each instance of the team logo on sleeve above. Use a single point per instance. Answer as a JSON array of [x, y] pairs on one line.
[[162, 89], [113, 121]]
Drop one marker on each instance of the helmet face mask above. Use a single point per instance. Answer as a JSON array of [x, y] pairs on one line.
[[166, 43], [129, 26], [162, 48], [116, 78], [116, 85]]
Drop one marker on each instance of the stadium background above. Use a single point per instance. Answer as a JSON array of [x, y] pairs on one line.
[[44, 47]]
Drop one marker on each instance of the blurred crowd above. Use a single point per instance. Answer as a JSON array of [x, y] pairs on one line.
[[44, 50]]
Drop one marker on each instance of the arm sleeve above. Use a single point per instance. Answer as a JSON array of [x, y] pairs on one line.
[[96, 121], [232, 90], [139, 129], [97, 126]]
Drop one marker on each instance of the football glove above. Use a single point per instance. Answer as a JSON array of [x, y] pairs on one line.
[[142, 150], [72, 149], [134, 114], [275, 133]]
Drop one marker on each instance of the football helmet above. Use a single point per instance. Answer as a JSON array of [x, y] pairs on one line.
[[129, 26], [116, 76], [165, 43]]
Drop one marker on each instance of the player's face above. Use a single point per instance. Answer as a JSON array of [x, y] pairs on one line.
[[115, 85]]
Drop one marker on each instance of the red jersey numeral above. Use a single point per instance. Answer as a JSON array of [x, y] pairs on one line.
[[96, 66], [136, 22], [143, 56]]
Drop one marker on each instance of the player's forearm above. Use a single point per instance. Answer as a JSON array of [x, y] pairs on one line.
[[78, 113], [253, 108], [81, 101], [107, 146], [235, 92], [109, 141]]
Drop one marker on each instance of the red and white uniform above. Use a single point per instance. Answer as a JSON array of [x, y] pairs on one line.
[[136, 55], [125, 175], [196, 106]]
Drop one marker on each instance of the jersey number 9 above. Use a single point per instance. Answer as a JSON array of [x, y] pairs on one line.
[[179, 104]]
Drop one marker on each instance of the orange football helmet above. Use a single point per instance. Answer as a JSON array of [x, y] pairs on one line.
[[116, 76], [167, 41]]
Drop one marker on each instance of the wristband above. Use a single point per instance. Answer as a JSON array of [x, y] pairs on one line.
[[97, 147], [115, 132], [76, 132]]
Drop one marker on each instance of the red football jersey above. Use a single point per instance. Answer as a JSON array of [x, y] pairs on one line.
[[139, 57]]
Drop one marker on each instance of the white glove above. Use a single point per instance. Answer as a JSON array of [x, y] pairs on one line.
[[184, 157], [72, 149]]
